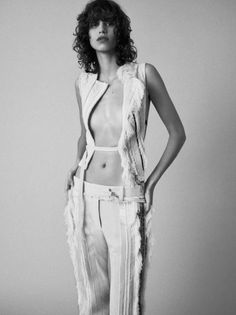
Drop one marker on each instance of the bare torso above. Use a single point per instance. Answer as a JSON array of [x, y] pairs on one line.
[[105, 123]]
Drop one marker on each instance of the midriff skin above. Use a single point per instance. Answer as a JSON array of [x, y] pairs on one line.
[[105, 123]]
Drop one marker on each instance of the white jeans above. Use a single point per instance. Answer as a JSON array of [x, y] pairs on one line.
[[111, 253]]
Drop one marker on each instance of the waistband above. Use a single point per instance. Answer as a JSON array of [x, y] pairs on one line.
[[108, 192], [102, 148]]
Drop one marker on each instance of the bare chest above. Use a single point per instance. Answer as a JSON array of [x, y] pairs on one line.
[[105, 119]]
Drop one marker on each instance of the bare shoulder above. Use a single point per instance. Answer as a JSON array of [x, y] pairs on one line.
[[152, 75], [149, 68], [155, 83]]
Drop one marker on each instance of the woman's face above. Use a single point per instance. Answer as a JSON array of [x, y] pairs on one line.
[[102, 29]]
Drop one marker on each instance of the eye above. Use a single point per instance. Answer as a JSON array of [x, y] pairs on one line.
[[110, 23], [93, 24]]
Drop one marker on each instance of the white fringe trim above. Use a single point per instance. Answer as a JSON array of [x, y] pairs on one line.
[[74, 240], [134, 90], [138, 264], [149, 234]]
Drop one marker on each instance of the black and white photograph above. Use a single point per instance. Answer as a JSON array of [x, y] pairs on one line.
[[118, 121]]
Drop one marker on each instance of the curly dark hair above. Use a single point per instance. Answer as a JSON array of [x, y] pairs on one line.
[[107, 11]]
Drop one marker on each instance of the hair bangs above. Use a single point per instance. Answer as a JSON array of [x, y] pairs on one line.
[[102, 12]]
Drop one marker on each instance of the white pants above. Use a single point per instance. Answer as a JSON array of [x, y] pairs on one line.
[[111, 254]]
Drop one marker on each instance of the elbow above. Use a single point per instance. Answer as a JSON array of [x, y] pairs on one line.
[[183, 136], [179, 135]]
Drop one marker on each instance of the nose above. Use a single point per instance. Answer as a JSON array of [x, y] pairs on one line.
[[102, 26]]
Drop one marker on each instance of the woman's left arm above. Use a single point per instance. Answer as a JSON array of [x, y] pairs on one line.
[[168, 114]]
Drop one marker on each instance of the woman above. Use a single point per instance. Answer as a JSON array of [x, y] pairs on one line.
[[109, 206]]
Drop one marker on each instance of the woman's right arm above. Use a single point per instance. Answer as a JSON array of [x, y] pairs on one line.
[[81, 143]]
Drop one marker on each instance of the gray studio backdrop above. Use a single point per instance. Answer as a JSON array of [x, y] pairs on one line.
[[192, 45]]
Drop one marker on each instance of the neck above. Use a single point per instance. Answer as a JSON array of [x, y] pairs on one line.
[[107, 66]]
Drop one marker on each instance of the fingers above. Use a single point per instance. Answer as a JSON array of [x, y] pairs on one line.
[[147, 207], [69, 183], [66, 188]]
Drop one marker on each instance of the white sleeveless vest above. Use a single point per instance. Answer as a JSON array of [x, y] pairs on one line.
[[134, 119]]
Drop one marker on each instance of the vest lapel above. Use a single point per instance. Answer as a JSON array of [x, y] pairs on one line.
[[133, 89], [96, 91]]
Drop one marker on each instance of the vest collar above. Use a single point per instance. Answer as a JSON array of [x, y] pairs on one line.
[[133, 88]]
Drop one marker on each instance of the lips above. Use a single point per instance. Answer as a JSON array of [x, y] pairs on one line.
[[102, 38]]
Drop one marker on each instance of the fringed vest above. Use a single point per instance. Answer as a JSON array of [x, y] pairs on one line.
[[135, 110]]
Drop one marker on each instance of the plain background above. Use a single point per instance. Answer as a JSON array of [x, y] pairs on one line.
[[192, 44]]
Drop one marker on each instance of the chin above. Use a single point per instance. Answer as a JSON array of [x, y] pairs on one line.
[[105, 48]]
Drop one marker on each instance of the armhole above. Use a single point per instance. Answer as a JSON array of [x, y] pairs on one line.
[[141, 71], [78, 85], [143, 74], [145, 80]]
